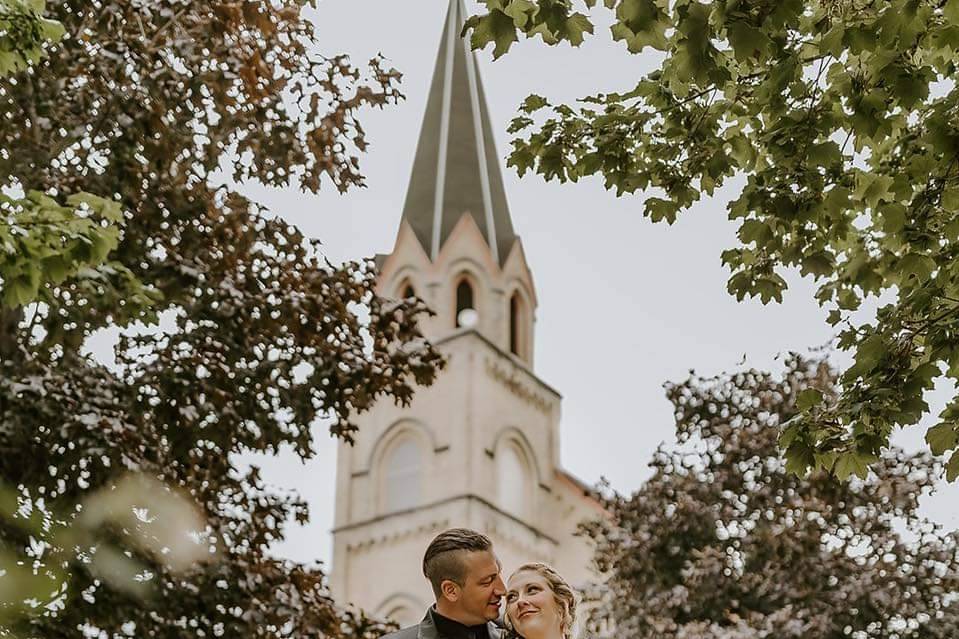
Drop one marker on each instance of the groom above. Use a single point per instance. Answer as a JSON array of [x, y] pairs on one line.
[[464, 573]]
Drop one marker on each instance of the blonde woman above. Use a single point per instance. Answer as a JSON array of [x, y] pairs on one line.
[[539, 603]]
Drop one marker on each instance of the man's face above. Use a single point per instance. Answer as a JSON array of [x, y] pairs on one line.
[[482, 589]]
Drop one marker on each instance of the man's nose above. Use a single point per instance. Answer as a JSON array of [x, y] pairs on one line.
[[499, 587]]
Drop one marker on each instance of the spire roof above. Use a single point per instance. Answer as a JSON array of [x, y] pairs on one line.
[[456, 170]]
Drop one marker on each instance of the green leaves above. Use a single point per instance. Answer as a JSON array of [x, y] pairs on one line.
[[871, 188], [952, 467], [753, 279], [576, 28], [755, 231], [552, 20], [497, 27], [749, 43], [950, 11], [914, 266], [42, 243], [533, 103], [641, 24], [869, 354], [818, 264], [942, 437], [799, 459], [809, 398], [853, 463], [104, 537], [660, 210], [24, 32], [851, 167]]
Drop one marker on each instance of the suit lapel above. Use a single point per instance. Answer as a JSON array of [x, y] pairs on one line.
[[427, 629]]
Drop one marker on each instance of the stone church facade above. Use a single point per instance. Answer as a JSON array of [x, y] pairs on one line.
[[480, 447]]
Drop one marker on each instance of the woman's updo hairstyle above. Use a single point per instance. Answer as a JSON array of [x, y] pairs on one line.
[[562, 593]]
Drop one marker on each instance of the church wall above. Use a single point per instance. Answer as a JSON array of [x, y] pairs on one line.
[[439, 424], [515, 544], [485, 402], [571, 507], [383, 560], [479, 402], [511, 407]]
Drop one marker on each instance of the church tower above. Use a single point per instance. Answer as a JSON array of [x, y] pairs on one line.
[[480, 447]]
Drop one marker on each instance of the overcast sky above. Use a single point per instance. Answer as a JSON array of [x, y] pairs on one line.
[[624, 304]]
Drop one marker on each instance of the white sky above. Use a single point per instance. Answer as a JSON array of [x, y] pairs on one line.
[[624, 304]]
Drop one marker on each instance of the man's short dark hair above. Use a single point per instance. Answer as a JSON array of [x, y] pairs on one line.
[[444, 556]]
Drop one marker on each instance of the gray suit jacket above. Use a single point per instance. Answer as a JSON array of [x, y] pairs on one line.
[[426, 629]]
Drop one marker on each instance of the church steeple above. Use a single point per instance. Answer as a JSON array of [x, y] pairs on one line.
[[480, 447], [456, 248], [456, 169]]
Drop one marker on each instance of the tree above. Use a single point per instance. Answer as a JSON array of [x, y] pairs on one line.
[[42, 241], [841, 116], [143, 104], [723, 542], [24, 31]]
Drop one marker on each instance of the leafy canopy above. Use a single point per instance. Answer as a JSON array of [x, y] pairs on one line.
[[843, 118], [145, 103], [724, 542]]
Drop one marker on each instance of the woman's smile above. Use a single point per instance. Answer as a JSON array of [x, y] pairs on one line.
[[532, 607]]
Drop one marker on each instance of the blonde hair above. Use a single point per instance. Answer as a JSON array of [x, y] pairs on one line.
[[563, 595]]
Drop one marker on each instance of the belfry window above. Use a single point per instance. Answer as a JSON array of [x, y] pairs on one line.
[[464, 301], [408, 291], [515, 325]]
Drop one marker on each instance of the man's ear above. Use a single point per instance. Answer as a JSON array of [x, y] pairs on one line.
[[450, 590]]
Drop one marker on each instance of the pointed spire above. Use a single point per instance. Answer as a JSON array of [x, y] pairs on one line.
[[456, 169]]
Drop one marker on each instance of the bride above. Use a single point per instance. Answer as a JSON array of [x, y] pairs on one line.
[[539, 603]]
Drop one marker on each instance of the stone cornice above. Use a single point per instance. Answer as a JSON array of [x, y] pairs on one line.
[[426, 507], [512, 359], [515, 385]]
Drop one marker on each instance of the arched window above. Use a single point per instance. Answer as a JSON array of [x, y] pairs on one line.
[[464, 299], [513, 481], [402, 479], [404, 289], [402, 608], [516, 346], [403, 615]]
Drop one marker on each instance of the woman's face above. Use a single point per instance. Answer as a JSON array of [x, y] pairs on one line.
[[531, 606]]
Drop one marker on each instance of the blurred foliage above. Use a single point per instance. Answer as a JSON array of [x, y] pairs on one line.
[[130, 518], [145, 104], [725, 542], [842, 115]]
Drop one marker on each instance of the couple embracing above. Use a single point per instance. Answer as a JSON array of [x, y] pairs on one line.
[[465, 575]]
